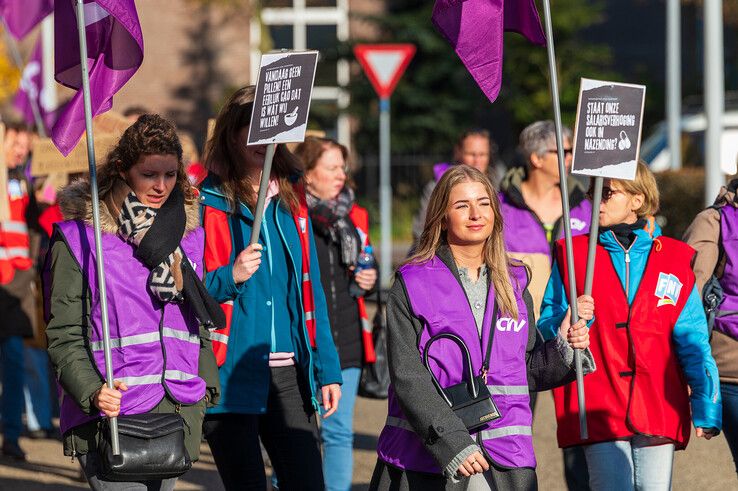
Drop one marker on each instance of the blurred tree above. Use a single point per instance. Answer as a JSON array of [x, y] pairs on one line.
[[437, 98], [10, 75]]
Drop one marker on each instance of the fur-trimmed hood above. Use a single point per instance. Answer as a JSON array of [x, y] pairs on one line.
[[76, 204]]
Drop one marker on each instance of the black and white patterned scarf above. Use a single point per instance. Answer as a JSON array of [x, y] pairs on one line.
[[156, 234], [165, 281], [330, 218]]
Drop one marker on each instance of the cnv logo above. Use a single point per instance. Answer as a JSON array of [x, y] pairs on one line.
[[509, 324], [668, 288]]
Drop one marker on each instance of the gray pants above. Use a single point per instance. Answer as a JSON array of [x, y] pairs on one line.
[[89, 463]]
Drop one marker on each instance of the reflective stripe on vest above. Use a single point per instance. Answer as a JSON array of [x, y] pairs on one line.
[[151, 337], [14, 240], [486, 434]]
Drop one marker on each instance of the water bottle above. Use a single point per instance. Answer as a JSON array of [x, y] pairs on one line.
[[364, 261]]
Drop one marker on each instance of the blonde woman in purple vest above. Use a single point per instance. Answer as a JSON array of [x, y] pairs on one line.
[[460, 282], [159, 312]]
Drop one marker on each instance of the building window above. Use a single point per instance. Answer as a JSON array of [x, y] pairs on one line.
[[310, 24]]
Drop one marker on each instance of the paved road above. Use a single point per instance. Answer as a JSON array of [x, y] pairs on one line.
[[704, 465]]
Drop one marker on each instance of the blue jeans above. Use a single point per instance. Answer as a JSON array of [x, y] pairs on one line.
[[37, 391], [641, 463], [730, 417], [337, 433], [11, 357]]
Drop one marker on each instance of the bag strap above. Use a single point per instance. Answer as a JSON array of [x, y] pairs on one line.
[[493, 328]]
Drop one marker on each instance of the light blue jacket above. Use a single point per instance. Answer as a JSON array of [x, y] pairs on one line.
[[690, 338], [245, 375]]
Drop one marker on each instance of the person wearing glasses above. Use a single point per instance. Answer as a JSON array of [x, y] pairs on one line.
[[530, 201], [649, 341]]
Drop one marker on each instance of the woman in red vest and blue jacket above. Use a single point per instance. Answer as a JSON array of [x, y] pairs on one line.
[[341, 233], [277, 348], [649, 341], [460, 282]]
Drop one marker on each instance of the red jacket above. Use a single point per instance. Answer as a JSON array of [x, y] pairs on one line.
[[638, 386]]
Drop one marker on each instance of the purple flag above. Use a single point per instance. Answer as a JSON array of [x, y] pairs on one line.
[[475, 29], [21, 16], [30, 92], [114, 54]]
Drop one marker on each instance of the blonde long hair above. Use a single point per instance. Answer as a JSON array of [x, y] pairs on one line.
[[434, 234]]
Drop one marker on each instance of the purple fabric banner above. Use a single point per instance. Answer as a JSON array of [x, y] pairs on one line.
[[475, 29], [21, 16], [30, 92], [114, 54]]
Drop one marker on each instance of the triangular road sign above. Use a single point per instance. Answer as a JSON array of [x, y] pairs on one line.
[[384, 64]]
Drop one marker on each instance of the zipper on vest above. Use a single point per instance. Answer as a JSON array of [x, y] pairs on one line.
[[627, 266]]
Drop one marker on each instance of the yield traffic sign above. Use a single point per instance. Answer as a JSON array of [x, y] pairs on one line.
[[384, 64]]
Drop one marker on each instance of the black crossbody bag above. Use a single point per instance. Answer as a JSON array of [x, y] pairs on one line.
[[470, 400], [151, 448]]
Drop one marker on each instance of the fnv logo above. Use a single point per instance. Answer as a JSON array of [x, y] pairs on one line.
[[509, 324], [668, 288]]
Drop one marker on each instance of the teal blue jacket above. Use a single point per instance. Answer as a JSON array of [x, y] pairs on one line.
[[245, 375], [689, 337]]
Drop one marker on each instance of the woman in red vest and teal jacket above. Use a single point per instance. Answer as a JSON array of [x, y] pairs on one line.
[[341, 233], [649, 341], [277, 348], [460, 282]]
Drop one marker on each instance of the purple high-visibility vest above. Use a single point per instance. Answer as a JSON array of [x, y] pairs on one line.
[[727, 323], [437, 298], [524, 234], [154, 346]]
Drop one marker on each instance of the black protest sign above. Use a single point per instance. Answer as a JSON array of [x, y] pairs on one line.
[[607, 134], [282, 100]]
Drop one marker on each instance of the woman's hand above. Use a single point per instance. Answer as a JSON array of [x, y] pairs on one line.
[[107, 400], [366, 278], [331, 396], [474, 464], [246, 263], [586, 307], [577, 335], [705, 433]]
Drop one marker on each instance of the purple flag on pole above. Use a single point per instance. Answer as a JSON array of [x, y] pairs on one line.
[[475, 29], [114, 54], [30, 91], [21, 16]]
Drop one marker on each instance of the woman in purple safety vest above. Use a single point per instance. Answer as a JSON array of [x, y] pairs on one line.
[[158, 311], [451, 285]]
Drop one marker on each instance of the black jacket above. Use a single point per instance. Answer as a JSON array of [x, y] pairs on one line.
[[343, 312]]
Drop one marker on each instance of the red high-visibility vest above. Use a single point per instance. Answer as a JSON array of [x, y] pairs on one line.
[[14, 240], [638, 386], [360, 218]]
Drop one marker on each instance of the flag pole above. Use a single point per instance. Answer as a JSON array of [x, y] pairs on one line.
[[18, 61], [566, 213], [113, 423], [263, 187]]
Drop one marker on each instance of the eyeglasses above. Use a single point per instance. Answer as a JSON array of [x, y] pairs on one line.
[[607, 193], [567, 151]]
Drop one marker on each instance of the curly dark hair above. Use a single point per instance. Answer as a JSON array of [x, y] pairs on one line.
[[149, 135]]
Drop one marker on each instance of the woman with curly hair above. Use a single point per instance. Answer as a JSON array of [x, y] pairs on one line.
[[159, 312]]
